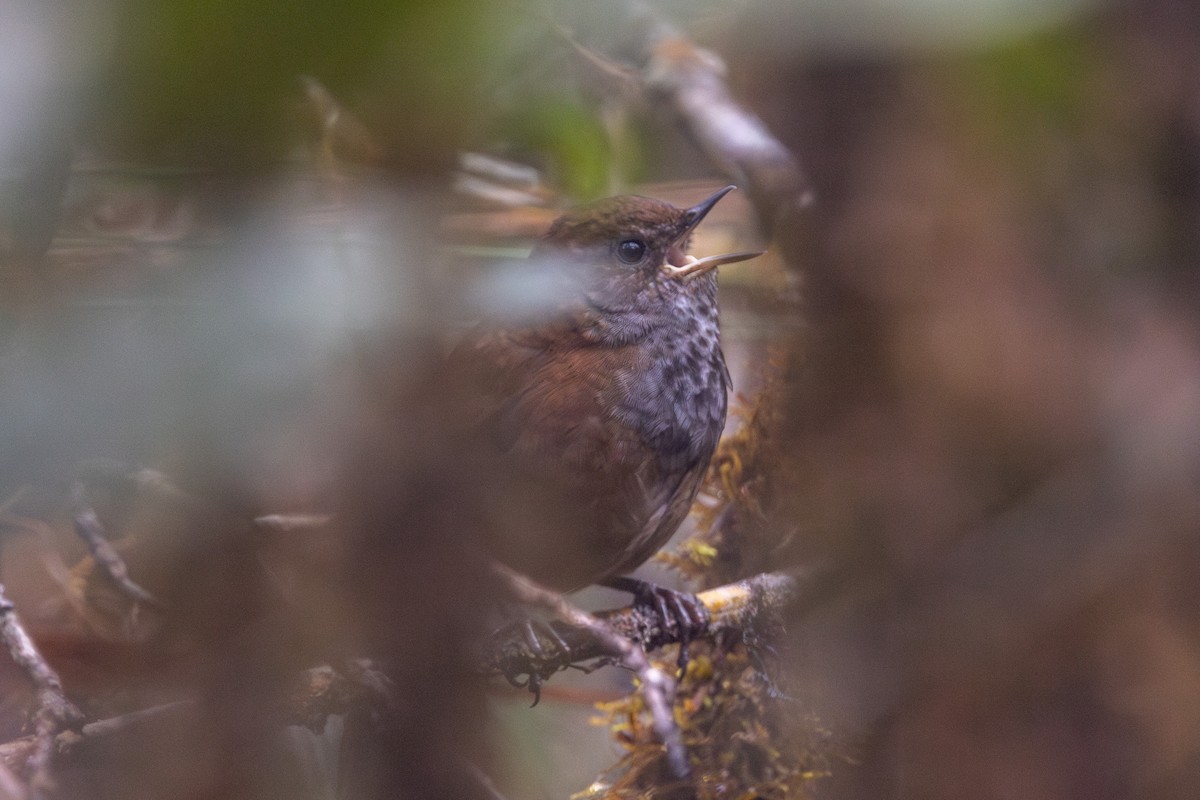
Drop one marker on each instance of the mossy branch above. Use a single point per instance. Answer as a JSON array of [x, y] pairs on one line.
[[736, 608]]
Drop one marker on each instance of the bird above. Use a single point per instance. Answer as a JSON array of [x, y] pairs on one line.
[[606, 408]]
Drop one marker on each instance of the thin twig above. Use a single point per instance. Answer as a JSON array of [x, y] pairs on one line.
[[54, 711], [286, 523], [340, 130], [689, 81], [90, 529], [500, 171], [17, 752], [657, 685]]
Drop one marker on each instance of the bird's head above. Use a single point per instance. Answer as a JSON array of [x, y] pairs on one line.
[[630, 254], [631, 243]]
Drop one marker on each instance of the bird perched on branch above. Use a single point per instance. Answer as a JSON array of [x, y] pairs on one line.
[[607, 408]]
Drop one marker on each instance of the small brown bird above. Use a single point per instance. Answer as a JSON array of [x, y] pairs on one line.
[[609, 409]]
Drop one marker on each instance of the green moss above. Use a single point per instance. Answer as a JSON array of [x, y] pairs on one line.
[[743, 740], [571, 139]]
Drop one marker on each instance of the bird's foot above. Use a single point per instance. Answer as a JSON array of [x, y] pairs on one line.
[[539, 658], [682, 610]]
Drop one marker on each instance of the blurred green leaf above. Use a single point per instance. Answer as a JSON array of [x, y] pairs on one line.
[[215, 78], [571, 138]]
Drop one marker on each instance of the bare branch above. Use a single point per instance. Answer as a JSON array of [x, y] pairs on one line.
[[286, 523], [54, 711], [17, 752], [341, 132], [658, 686], [497, 170], [690, 82], [25, 654], [90, 529]]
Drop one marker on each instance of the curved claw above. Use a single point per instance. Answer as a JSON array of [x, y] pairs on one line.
[[535, 688], [684, 610], [523, 671]]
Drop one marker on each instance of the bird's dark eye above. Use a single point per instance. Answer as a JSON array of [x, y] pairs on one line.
[[631, 251]]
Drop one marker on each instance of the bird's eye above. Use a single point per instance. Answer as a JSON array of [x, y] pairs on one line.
[[631, 251]]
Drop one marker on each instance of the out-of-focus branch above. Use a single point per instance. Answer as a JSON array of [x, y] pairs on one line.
[[54, 711], [341, 134], [658, 686], [319, 693], [516, 204], [690, 81], [500, 183], [625, 634], [287, 523], [17, 752], [90, 529]]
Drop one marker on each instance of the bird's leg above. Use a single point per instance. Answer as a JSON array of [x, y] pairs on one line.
[[535, 630], [682, 609], [535, 634]]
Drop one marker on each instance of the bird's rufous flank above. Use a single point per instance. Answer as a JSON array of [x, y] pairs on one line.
[[609, 408]]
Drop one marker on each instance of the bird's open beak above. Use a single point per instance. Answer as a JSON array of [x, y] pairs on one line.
[[680, 265]]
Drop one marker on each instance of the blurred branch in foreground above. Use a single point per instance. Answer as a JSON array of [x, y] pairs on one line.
[[675, 74], [235, 623], [54, 712]]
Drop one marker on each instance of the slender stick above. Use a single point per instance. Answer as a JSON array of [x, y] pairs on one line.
[[657, 685], [54, 711], [91, 530], [13, 754]]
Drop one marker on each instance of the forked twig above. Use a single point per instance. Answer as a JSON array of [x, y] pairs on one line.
[[91, 530], [13, 753], [54, 713], [658, 686]]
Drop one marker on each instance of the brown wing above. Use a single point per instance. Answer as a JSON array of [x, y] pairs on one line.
[[586, 498]]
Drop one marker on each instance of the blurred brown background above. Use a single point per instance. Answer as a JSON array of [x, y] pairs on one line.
[[987, 324]]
